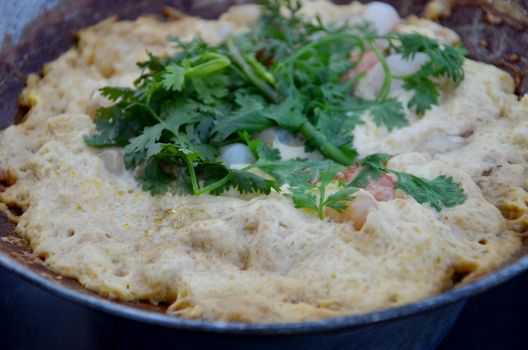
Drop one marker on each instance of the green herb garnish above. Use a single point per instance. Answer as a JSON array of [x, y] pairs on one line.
[[286, 72], [439, 192]]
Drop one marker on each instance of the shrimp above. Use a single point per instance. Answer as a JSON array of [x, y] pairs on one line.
[[381, 189], [368, 61], [357, 210]]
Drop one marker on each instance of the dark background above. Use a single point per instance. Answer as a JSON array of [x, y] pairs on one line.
[[31, 318]]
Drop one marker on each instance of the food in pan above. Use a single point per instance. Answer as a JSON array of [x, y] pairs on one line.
[[286, 162]]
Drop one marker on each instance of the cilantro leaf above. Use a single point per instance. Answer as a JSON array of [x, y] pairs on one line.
[[335, 128], [249, 116], [339, 199], [373, 167], [183, 112], [308, 180], [114, 127], [303, 197], [444, 60], [143, 146], [117, 93], [425, 92], [298, 172], [211, 89], [194, 151], [259, 149], [388, 112], [289, 113], [247, 182], [439, 193], [244, 181], [154, 178], [173, 78]]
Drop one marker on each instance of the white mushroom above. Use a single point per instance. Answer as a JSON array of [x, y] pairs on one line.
[[113, 160], [267, 136], [290, 146], [382, 16], [287, 138], [236, 155]]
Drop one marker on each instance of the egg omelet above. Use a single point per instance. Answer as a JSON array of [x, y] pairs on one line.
[[257, 258]]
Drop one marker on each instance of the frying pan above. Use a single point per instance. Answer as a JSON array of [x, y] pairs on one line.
[[33, 32]]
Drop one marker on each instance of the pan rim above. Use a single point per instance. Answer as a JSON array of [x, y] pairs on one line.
[[165, 320]]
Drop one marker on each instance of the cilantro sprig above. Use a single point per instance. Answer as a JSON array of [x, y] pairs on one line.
[[286, 72], [439, 192]]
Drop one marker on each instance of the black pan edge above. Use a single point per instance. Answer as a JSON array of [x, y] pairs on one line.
[[168, 321]]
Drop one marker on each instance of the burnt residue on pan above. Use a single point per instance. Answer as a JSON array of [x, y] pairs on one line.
[[495, 34], [491, 35]]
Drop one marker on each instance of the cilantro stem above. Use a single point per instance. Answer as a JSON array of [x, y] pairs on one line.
[[321, 201], [387, 82], [194, 180], [145, 107], [260, 69], [313, 136], [314, 44], [216, 184], [215, 62], [267, 90]]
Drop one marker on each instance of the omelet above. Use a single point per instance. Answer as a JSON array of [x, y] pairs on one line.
[[257, 258]]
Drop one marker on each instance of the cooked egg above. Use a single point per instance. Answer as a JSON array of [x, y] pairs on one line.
[[258, 258]]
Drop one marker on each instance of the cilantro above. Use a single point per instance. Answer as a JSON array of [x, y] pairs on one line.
[[173, 78], [307, 179], [444, 60], [154, 178], [285, 72], [143, 146], [373, 168], [313, 195], [249, 116], [243, 180], [247, 182], [388, 112], [339, 199], [115, 125], [259, 149], [289, 113], [439, 192], [117, 93]]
